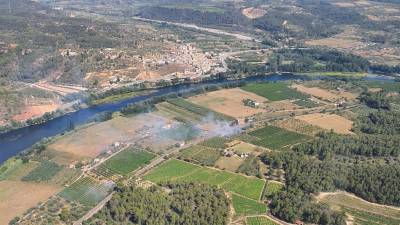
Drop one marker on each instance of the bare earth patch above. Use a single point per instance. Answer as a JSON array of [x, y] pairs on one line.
[[325, 94], [316, 92], [229, 102], [333, 122], [35, 111], [16, 197], [298, 126], [253, 13], [229, 163]]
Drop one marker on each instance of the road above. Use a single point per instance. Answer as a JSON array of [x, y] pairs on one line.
[[242, 37]]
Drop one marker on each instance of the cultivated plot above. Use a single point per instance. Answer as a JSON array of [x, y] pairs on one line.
[[333, 122], [176, 170], [16, 197], [274, 91], [276, 138], [245, 206], [87, 191], [230, 102], [260, 220], [124, 162]]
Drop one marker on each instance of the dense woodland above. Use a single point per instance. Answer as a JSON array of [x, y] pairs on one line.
[[364, 164], [196, 204]]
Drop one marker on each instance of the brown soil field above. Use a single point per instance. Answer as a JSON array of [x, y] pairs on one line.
[[16, 197], [253, 13], [316, 92], [93, 140], [298, 126], [325, 94], [337, 123], [35, 111], [284, 105], [229, 102], [229, 163]]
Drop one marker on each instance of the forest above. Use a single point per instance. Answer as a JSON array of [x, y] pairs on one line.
[[172, 204]]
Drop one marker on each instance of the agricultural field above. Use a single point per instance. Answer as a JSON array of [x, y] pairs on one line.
[[361, 209], [229, 163], [176, 170], [272, 187], [298, 126], [323, 94], [124, 163], [229, 102], [44, 172], [245, 206], [86, 191], [16, 197], [194, 108], [276, 138], [274, 91], [260, 220], [333, 122], [306, 103], [15, 169], [201, 154], [177, 113], [216, 142], [246, 148]]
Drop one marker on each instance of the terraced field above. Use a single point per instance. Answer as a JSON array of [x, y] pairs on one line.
[[260, 220], [124, 163], [176, 170], [276, 138], [86, 191], [274, 91]]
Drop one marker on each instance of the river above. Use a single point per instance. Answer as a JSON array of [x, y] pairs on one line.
[[16, 141]]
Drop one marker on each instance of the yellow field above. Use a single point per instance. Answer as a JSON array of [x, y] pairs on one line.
[[333, 122], [16, 197], [229, 102]]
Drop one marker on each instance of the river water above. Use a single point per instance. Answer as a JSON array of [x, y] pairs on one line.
[[16, 141]]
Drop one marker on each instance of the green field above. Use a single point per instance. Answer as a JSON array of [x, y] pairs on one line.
[[276, 138], [260, 220], [44, 172], [180, 102], [86, 191], [245, 206], [307, 103], [201, 154], [124, 162], [176, 170], [272, 188], [216, 142], [274, 91]]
